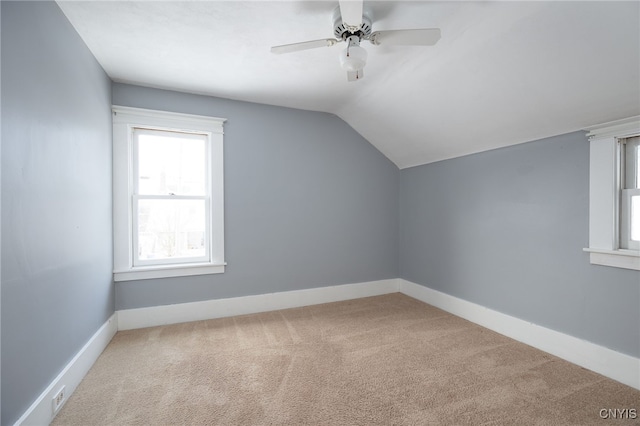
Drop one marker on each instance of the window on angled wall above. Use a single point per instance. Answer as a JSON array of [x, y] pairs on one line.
[[614, 194], [168, 194]]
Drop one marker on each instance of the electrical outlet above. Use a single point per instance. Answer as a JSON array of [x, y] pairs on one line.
[[58, 399]]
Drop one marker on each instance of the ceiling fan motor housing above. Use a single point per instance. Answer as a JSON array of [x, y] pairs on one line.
[[342, 31]]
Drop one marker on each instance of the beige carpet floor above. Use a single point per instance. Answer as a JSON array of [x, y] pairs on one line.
[[386, 360]]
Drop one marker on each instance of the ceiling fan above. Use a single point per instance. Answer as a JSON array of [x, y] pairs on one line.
[[352, 25]]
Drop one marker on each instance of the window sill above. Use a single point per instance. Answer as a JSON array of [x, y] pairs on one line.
[[167, 271], [627, 259]]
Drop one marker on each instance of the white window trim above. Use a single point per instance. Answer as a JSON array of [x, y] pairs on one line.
[[604, 194], [124, 120]]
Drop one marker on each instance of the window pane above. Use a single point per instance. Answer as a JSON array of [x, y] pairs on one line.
[[171, 229], [631, 161], [635, 218], [171, 163], [637, 167]]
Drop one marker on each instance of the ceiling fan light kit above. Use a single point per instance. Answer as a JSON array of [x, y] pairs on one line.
[[352, 25], [354, 57]]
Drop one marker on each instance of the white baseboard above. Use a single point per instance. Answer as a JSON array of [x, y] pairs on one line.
[[209, 309], [41, 411], [615, 365]]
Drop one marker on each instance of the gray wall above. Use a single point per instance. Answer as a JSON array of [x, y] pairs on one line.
[[505, 229], [308, 203], [56, 199]]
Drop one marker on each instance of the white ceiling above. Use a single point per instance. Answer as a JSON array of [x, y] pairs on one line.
[[503, 72]]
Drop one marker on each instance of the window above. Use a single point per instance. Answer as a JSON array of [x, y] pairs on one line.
[[170, 197], [630, 193], [614, 194], [168, 194]]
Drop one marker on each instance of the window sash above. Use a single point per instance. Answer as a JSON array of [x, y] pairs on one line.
[[147, 131], [136, 197], [625, 219], [206, 257]]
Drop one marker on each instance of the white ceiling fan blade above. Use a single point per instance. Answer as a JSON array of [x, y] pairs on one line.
[[305, 45], [421, 37], [351, 12], [355, 75]]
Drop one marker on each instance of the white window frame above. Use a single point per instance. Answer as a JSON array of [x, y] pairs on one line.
[[605, 192], [125, 120]]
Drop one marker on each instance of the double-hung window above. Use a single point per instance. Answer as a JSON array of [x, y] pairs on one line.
[[614, 194], [168, 194], [630, 193]]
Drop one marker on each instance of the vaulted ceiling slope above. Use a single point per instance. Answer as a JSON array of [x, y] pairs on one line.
[[502, 73]]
